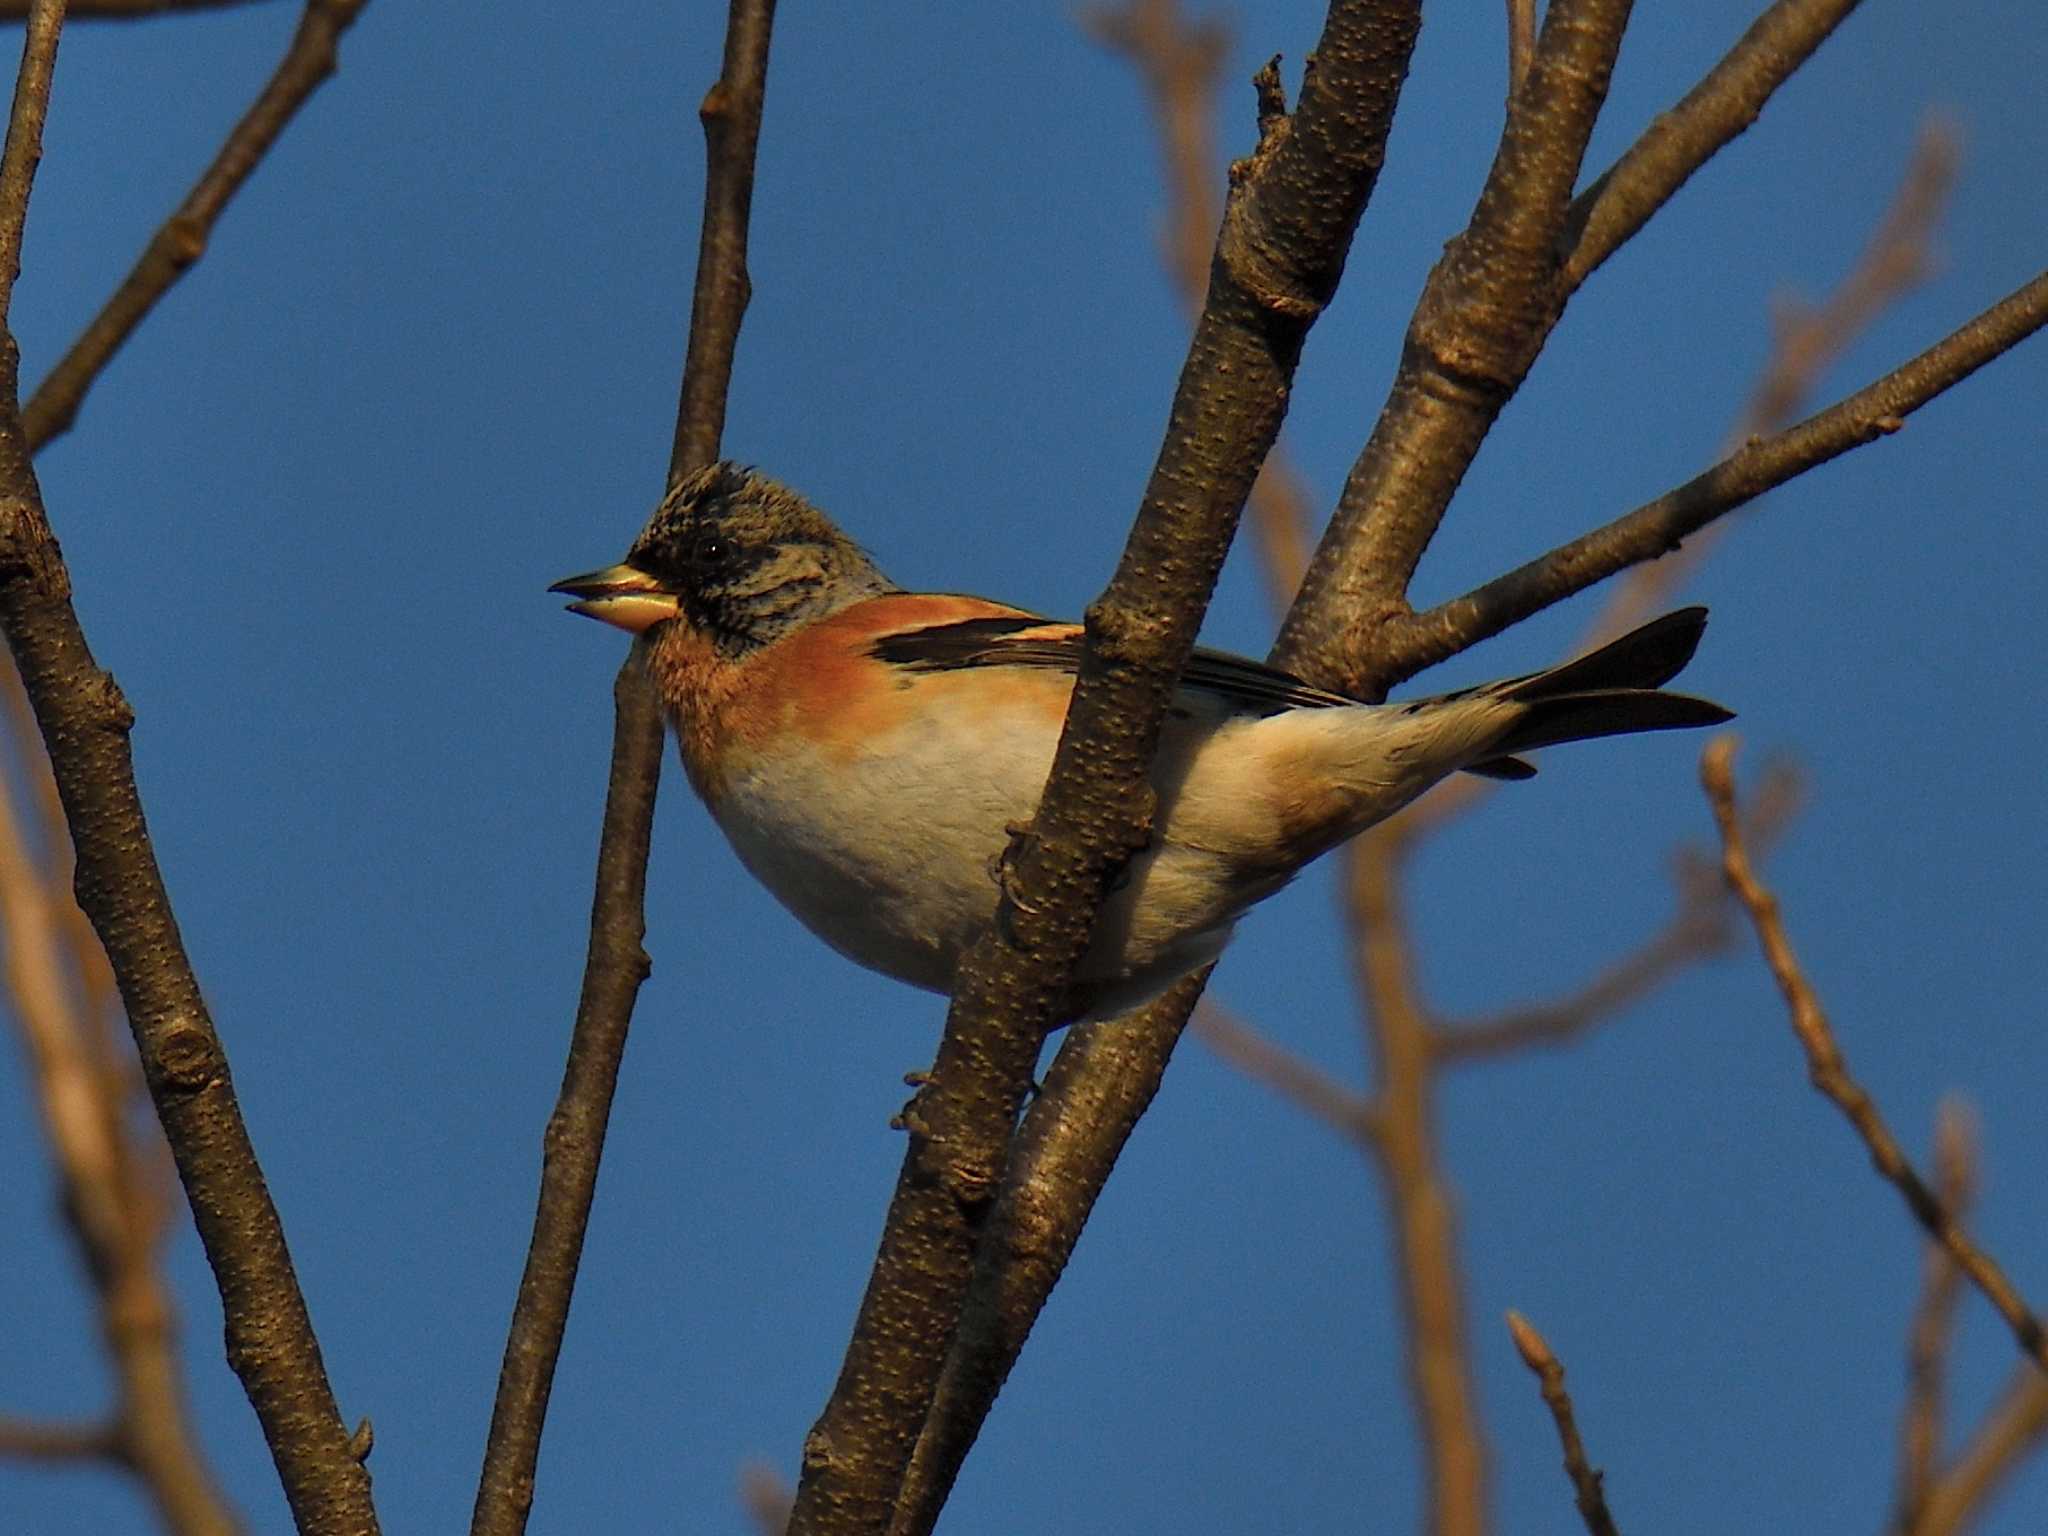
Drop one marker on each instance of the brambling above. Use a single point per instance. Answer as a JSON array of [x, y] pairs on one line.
[[866, 750]]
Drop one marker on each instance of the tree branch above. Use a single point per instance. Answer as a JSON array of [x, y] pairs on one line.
[[1486, 311], [1102, 1080], [1623, 199], [1278, 258], [113, 1215], [1586, 1488], [175, 248], [116, 10], [1933, 1326], [85, 722], [1659, 526], [1829, 1069], [2010, 1430], [616, 963]]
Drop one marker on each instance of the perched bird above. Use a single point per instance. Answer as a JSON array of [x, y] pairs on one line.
[[866, 749]]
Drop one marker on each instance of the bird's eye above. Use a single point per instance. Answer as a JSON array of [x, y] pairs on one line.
[[709, 550]]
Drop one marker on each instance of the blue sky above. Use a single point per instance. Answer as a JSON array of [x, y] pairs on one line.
[[429, 364]]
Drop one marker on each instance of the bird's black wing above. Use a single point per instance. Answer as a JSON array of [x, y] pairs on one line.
[[1249, 687]]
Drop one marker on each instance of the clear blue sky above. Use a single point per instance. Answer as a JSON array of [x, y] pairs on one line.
[[429, 365]]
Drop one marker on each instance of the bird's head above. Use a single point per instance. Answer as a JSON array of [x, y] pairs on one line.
[[737, 557]]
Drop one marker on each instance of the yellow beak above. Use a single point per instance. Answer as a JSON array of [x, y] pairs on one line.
[[620, 595]]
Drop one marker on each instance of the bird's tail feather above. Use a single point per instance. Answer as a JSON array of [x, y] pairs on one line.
[[1613, 691]]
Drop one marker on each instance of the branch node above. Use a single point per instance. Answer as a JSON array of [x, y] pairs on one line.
[[186, 1060], [362, 1442]]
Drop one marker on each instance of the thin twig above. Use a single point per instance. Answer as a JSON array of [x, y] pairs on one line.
[[175, 248], [84, 722], [1829, 1069], [616, 963], [2013, 1428], [766, 1496], [35, 1440], [1280, 252], [1933, 1326], [1521, 43], [1733, 94], [1586, 1481], [1295, 1078], [1181, 61], [1657, 527], [1698, 928]]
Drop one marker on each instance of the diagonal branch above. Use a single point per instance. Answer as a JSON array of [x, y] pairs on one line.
[[85, 722], [175, 248], [1102, 1080], [1659, 526], [1279, 255], [616, 964], [1933, 1326], [1829, 1069], [1586, 1484], [1483, 317]]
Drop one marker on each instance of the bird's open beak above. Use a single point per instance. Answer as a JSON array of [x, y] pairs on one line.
[[621, 595]]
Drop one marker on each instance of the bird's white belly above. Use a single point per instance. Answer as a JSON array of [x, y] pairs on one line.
[[890, 860]]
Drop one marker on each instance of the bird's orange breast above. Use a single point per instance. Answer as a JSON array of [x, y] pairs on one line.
[[821, 684]]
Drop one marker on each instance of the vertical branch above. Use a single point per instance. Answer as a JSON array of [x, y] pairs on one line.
[[85, 722], [616, 963], [1281, 251], [1424, 1222], [1536, 1354], [1927, 1340]]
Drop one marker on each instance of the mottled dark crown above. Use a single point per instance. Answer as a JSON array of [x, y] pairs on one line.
[[750, 559]]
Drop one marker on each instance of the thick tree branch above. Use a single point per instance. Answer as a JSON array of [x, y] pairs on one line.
[[1659, 526], [1484, 315], [1102, 1080], [616, 964], [1586, 1489], [178, 245], [85, 722], [1278, 259], [1829, 1069]]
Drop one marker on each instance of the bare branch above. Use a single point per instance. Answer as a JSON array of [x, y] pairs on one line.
[[1829, 1070], [175, 248], [616, 964], [767, 1498], [112, 1212], [117, 10], [84, 722], [1296, 1079], [1678, 142], [1431, 1274], [1484, 315], [1102, 1080], [1179, 61], [1927, 1340], [1591, 1497], [2010, 1430], [1659, 526], [33, 1440], [1279, 255], [1521, 43], [1698, 928]]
